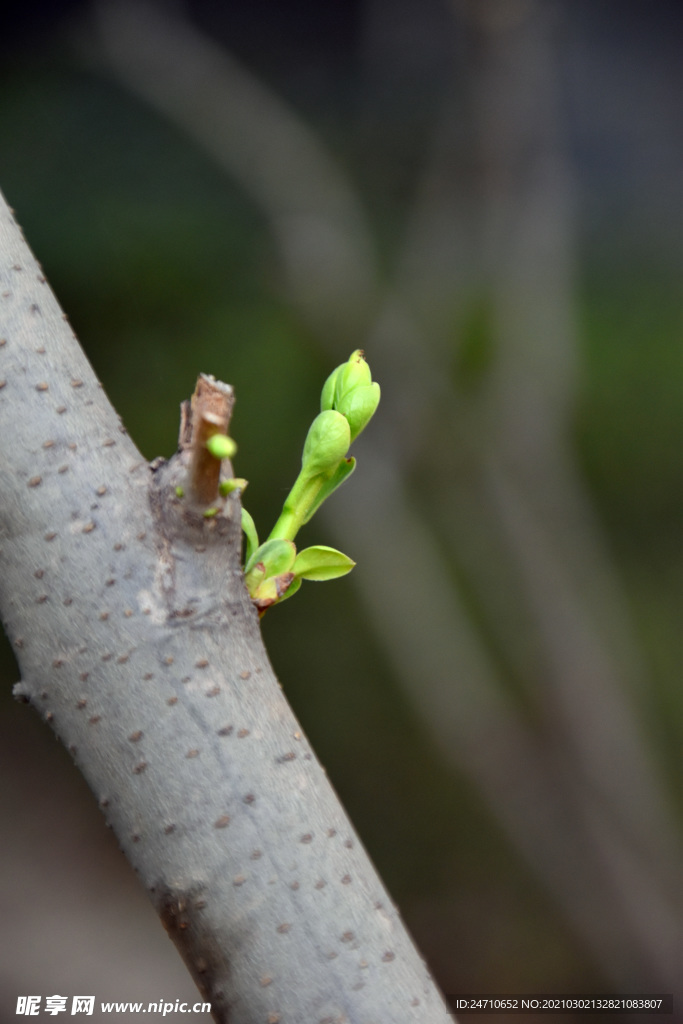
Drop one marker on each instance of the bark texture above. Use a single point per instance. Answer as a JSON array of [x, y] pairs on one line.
[[138, 643]]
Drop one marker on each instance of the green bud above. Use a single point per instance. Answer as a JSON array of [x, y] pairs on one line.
[[274, 589], [209, 513], [349, 390], [328, 391], [354, 373], [221, 447], [359, 405], [180, 492], [235, 483], [327, 443]]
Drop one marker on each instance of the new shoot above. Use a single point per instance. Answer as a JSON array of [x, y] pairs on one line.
[[274, 570]]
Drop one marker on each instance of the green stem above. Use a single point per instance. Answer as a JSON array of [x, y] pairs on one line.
[[299, 500]]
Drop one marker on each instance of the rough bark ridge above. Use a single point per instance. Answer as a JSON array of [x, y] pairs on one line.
[[137, 641]]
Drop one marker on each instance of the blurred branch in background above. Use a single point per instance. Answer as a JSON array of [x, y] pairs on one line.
[[485, 573], [526, 502], [314, 215]]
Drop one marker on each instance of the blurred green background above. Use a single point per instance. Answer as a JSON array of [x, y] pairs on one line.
[[485, 196]]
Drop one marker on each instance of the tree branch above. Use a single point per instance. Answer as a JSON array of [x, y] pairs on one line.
[[138, 643]]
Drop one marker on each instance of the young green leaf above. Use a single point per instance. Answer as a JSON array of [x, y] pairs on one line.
[[321, 563], [249, 528], [276, 556], [344, 470]]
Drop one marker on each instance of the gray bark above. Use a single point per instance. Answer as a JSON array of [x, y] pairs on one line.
[[138, 643]]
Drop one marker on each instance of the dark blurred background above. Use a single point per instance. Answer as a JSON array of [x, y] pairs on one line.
[[485, 195]]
